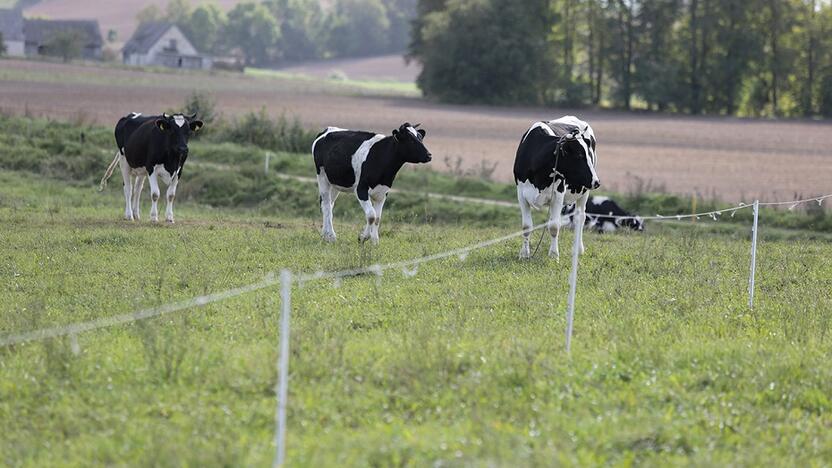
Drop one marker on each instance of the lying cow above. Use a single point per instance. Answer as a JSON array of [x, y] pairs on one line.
[[365, 164], [604, 215], [151, 147], [555, 166]]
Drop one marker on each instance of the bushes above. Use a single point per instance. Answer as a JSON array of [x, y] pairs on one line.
[[259, 129]]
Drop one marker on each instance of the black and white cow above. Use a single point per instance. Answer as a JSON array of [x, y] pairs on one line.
[[555, 165], [365, 164], [151, 147], [604, 215]]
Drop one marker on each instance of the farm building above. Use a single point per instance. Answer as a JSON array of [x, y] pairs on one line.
[[163, 44], [11, 27], [39, 33]]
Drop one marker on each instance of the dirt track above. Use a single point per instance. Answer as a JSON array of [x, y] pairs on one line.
[[727, 159]]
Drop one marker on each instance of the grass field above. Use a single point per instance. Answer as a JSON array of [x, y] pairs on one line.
[[461, 365]]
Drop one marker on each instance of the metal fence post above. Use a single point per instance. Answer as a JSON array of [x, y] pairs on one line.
[[283, 366], [753, 255], [573, 284]]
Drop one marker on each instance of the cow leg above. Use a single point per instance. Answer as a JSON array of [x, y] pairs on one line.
[[137, 195], [328, 195], [128, 188], [370, 215], [555, 210], [171, 196], [154, 197], [378, 206], [580, 212], [526, 216]]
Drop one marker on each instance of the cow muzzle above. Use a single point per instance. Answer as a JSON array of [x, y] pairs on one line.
[[596, 184]]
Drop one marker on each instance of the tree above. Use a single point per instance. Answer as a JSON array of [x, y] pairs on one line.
[[485, 51], [205, 27], [149, 14], [301, 28], [253, 29], [66, 44], [2, 44], [178, 11], [358, 28]]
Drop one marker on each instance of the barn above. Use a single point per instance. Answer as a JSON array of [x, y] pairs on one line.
[[40, 33], [163, 44]]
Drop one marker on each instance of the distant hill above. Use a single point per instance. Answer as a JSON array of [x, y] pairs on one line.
[[119, 15]]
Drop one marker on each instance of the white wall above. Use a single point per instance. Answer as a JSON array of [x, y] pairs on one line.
[[15, 48]]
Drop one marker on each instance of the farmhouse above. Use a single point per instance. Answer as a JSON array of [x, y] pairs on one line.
[[40, 34], [11, 28], [163, 44]]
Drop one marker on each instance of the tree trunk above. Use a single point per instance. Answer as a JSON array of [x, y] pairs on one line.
[[775, 33], [808, 105]]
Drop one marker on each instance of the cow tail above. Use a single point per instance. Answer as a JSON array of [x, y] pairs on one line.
[[109, 173]]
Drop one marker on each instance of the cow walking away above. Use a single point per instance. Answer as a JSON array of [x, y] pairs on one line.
[[365, 164], [604, 215], [151, 147], [554, 166]]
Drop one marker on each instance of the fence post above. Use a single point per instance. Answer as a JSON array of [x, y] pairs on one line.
[[573, 284], [266, 164], [283, 366], [753, 255]]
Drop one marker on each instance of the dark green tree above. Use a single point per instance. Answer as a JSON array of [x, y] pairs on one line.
[[485, 51], [358, 28], [255, 31]]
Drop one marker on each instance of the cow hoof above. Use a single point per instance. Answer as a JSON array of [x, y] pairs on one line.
[[328, 237], [525, 253], [169, 221], [553, 253], [154, 220]]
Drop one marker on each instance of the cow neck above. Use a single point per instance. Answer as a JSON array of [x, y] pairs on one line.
[[392, 166]]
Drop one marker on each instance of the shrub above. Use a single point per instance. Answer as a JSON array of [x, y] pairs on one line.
[[258, 129]]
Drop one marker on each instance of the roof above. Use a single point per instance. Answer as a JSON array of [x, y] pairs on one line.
[[40, 31], [146, 36], [11, 24]]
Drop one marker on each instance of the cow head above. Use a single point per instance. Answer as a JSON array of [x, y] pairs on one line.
[[577, 160], [636, 224], [410, 145], [178, 129]]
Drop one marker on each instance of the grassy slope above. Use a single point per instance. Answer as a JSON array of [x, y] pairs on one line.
[[463, 363]]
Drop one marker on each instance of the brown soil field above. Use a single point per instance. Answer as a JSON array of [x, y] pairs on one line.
[[722, 158], [386, 67]]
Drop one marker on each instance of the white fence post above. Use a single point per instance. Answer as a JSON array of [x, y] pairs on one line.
[[573, 284], [266, 164], [753, 255], [283, 366]]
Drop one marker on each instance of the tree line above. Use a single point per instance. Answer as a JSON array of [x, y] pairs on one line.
[[722, 57], [277, 31]]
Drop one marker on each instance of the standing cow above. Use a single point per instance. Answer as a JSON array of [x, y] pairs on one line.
[[604, 215], [365, 164], [152, 147], [555, 165]]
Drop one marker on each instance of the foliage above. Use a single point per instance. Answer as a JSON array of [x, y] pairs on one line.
[[66, 44], [2, 45], [259, 129], [484, 51], [203, 105], [253, 29], [358, 27], [732, 57], [276, 31]]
